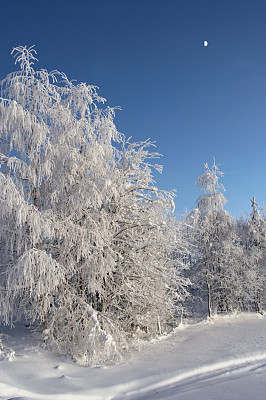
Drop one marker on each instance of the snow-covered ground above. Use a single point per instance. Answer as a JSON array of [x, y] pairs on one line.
[[224, 359]]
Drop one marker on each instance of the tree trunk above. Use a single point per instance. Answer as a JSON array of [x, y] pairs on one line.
[[209, 298]]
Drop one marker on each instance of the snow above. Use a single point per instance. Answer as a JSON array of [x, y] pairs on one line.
[[221, 358]]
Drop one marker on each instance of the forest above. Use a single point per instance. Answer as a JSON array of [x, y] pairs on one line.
[[91, 249]]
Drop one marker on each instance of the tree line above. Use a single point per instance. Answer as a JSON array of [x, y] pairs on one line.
[[226, 261], [91, 250]]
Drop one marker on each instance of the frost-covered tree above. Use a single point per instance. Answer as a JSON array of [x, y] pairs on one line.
[[216, 254], [144, 241], [56, 149], [252, 235], [187, 255], [212, 198], [86, 237]]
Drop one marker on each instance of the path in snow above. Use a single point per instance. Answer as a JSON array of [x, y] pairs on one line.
[[224, 359]]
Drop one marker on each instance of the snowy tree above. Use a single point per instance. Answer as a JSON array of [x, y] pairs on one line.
[[86, 237], [252, 234], [213, 198], [216, 254], [185, 255], [56, 151], [144, 241]]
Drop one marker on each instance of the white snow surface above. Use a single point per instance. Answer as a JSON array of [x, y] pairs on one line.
[[222, 358]]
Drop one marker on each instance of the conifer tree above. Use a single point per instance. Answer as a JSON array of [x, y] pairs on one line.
[[252, 234]]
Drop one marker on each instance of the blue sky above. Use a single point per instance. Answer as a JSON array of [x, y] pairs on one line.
[[147, 56]]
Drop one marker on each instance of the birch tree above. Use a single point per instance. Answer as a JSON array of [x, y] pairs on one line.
[[86, 236], [217, 254]]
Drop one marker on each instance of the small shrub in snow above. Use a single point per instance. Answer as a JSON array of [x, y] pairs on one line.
[[6, 354]]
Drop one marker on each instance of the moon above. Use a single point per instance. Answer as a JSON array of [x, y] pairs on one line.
[[205, 43]]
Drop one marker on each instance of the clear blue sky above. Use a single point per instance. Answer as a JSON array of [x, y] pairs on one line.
[[147, 56]]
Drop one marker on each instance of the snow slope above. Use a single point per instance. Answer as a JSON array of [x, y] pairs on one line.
[[224, 358]]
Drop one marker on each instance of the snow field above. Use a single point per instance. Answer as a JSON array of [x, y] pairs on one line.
[[223, 358]]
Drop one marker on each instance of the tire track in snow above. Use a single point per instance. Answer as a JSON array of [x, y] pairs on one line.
[[196, 378]]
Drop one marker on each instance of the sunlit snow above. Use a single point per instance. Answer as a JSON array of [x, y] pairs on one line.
[[222, 358]]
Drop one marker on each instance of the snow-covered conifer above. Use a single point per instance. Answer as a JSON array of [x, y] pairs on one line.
[[252, 234]]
